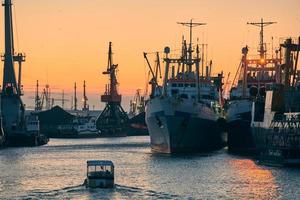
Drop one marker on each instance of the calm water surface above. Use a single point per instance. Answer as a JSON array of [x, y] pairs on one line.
[[57, 171]]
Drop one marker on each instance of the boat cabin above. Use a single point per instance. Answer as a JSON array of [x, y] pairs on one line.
[[100, 174]]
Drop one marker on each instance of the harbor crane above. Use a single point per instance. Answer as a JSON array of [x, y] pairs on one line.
[[112, 120]]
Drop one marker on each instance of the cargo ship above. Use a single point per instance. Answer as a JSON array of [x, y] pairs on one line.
[[276, 118], [184, 114], [253, 74]]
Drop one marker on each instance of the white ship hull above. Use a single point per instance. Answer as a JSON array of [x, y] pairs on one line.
[[182, 125]]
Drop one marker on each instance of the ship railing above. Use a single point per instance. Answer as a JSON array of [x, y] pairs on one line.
[[285, 124], [283, 141], [283, 39]]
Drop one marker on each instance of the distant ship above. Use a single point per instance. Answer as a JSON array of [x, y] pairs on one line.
[[136, 123], [184, 114], [81, 127], [276, 118], [254, 73]]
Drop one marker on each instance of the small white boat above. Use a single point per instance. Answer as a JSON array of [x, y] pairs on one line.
[[100, 174]]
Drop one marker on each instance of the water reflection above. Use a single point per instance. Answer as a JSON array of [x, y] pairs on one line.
[[56, 171], [256, 181]]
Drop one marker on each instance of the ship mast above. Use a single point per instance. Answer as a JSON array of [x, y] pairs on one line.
[[85, 99], [75, 97], [38, 105], [261, 63], [191, 24], [262, 46]]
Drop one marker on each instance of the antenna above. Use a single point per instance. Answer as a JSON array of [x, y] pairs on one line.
[[191, 24], [37, 97], [261, 24], [75, 97], [63, 99], [85, 105]]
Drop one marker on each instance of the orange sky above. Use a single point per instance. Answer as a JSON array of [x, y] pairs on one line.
[[67, 40]]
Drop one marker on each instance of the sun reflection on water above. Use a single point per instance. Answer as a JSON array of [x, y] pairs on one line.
[[256, 181]]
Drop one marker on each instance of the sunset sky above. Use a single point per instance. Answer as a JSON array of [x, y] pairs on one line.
[[67, 40]]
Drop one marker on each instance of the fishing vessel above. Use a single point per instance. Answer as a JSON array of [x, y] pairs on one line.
[[183, 114], [253, 74], [276, 118]]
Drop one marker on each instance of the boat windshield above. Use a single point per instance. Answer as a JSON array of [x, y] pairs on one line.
[[100, 169]]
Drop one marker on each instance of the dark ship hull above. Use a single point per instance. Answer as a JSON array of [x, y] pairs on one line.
[[238, 116], [2, 136], [1, 141], [22, 139], [178, 138], [278, 147], [240, 139], [113, 132], [137, 125], [182, 129]]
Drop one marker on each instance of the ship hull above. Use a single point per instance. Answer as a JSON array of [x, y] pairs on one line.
[[137, 125], [277, 148], [73, 134], [2, 140], [180, 128], [25, 140], [2, 136], [240, 139]]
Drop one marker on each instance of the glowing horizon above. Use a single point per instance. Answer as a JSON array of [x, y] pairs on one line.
[[68, 42]]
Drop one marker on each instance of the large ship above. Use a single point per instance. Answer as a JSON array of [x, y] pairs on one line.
[[183, 114], [19, 130], [254, 73], [276, 118]]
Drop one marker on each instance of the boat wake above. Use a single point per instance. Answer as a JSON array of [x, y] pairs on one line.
[[118, 192]]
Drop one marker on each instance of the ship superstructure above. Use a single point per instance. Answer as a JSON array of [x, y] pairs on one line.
[[276, 118], [183, 114], [254, 73], [19, 131]]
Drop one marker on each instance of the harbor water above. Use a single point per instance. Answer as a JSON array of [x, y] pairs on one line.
[[58, 169]]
